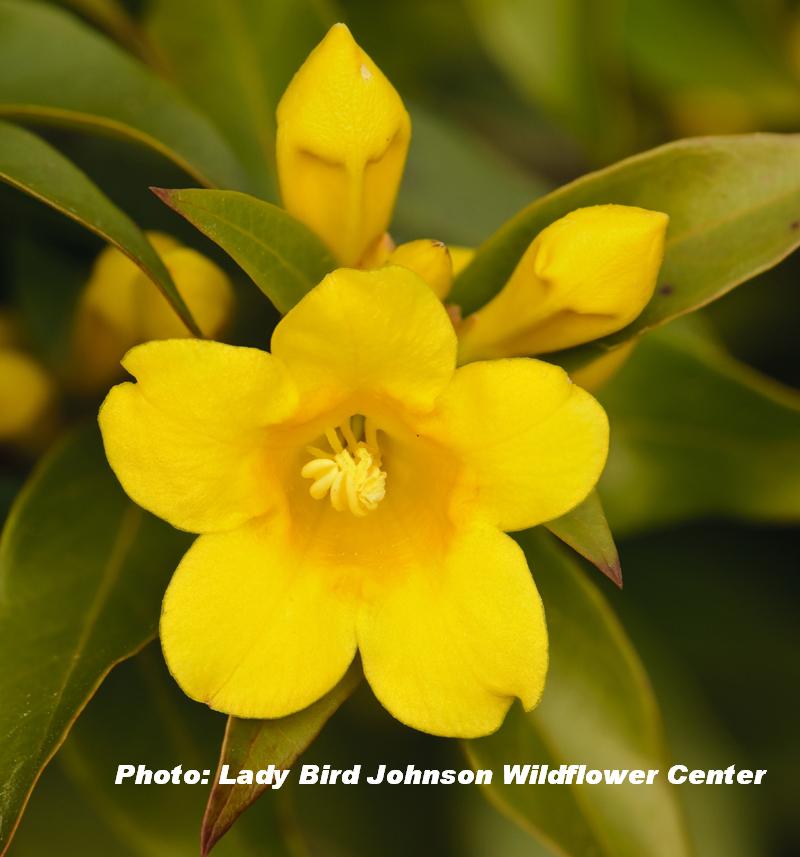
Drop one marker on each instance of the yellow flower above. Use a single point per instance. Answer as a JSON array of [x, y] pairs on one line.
[[585, 276], [351, 490], [26, 397], [343, 135], [121, 307]]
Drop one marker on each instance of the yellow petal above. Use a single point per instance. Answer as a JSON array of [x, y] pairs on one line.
[[250, 629], [26, 393], [587, 275], [380, 333], [189, 441], [535, 444], [342, 140], [449, 645], [429, 259]]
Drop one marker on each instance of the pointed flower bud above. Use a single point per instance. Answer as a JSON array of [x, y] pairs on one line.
[[121, 307], [430, 260], [343, 135], [585, 276]]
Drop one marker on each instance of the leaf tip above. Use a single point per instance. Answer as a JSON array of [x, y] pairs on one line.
[[163, 193], [613, 571], [208, 839]]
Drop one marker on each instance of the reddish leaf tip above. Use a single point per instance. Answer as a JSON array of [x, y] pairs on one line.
[[163, 193], [613, 571], [209, 836]]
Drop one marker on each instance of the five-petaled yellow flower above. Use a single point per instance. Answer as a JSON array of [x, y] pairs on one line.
[[351, 490]]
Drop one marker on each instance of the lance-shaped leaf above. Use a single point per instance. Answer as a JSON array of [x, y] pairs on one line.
[[734, 207], [585, 529], [255, 50], [82, 573], [139, 717], [698, 434], [281, 255], [33, 166], [80, 78], [257, 744], [598, 710]]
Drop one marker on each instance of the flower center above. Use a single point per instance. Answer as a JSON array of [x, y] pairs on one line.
[[350, 474]]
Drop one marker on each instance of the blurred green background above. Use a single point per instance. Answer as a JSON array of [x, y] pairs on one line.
[[509, 98]]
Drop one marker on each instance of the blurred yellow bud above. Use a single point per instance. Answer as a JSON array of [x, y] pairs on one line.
[[585, 276], [461, 257], [121, 307], [430, 260], [26, 396], [9, 334], [343, 135], [601, 370]]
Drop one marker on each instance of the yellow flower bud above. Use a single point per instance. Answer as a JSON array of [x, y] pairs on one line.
[[26, 394], [461, 257], [595, 375], [430, 260], [9, 334], [121, 307], [342, 139], [585, 276]]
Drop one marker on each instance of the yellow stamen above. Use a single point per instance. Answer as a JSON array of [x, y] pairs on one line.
[[351, 476]]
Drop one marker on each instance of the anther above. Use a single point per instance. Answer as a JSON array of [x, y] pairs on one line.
[[350, 474]]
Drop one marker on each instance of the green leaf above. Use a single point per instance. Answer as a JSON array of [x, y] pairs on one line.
[[256, 744], [35, 167], [456, 188], [54, 69], [47, 280], [255, 49], [722, 822], [722, 599], [598, 709], [585, 529], [567, 58], [139, 716], [282, 257], [116, 20], [731, 59], [82, 572], [698, 434], [734, 206]]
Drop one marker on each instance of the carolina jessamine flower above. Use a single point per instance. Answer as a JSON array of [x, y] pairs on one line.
[[351, 490], [121, 307]]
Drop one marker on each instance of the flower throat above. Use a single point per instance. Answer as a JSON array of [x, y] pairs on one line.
[[350, 473]]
